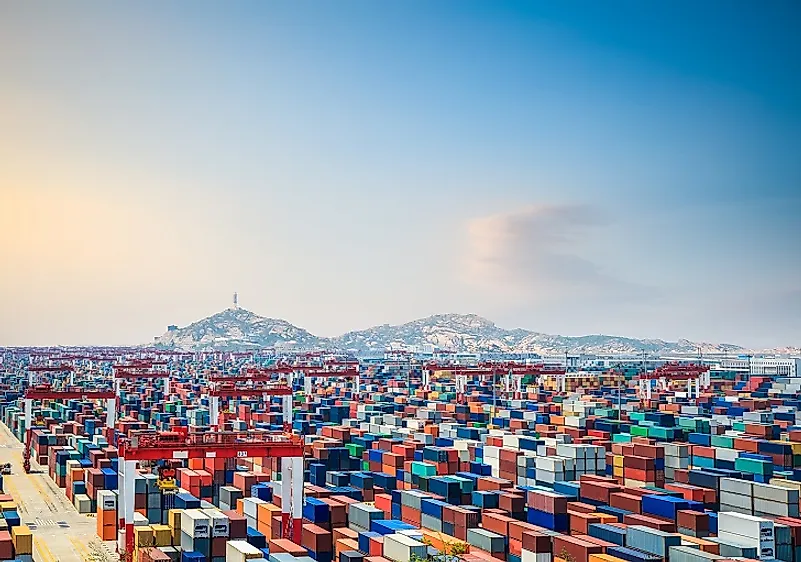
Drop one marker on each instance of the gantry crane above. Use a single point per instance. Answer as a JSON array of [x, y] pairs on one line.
[[47, 392], [461, 374], [230, 389], [330, 371], [225, 386], [515, 372], [52, 369], [146, 445], [675, 372], [143, 369]]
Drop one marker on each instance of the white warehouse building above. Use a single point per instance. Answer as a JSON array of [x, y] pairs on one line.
[[766, 366]]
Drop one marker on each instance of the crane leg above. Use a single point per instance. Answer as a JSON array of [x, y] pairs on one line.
[[26, 455], [111, 412], [292, 498], [287, 410], [127, 507], [215, 410]]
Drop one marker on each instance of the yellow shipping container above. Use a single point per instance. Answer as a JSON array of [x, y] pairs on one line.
[[162, 535], [143, 536], [22, 537], [781, 482], [174, 519], [636, 483], [604, 558]]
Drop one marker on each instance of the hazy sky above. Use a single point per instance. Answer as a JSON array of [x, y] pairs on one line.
[[620, 167]]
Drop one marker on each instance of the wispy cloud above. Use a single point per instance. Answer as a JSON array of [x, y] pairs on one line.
[[538, 251]]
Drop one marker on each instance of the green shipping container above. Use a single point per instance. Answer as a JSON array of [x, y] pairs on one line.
[[724, 441], [754, 466]]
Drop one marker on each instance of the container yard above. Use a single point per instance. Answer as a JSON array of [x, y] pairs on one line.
[[221, 457], [400, 281]]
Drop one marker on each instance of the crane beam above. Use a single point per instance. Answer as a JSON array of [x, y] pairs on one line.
[[140, 375], [38, 394], [50, 369], [253, 391], [246, 444], [323, 373]]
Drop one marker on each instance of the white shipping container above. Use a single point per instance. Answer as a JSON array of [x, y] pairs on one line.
[[741, 487], [401, 548], [775, 493], [734, 508], [757, 529], [724, 454], [220, 524], [528, 556], [251, 505], [575, 421], [737, 500], [195, 524], [677, 462], [570, 451], [772, 508], [239, 551], [551, 464], [758, 417], [106, 500]]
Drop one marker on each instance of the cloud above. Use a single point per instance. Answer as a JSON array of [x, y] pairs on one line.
[[536, 253]]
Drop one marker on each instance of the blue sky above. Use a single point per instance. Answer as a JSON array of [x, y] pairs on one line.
[[625, 167]]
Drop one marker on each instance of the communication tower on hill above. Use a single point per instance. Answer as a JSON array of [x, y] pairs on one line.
[[236, 301]]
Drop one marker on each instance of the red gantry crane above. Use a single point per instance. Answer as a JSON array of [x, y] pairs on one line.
[[258, 385], [148, 445], [675, 372], [33, 370], [142, 369], [331, 370], [47, 392], [460, 374], [514, 373]]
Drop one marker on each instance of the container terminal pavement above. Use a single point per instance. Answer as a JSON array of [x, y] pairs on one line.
[[149, 455]]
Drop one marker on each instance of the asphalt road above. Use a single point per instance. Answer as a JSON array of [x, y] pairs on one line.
[[60, 533]]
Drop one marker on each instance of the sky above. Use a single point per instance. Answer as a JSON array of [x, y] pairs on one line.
[[625, 167]]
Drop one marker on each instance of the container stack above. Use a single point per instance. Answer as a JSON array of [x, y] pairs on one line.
[[544, 476]]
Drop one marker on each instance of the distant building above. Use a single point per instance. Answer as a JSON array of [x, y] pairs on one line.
[[776, 366], [172, 328]]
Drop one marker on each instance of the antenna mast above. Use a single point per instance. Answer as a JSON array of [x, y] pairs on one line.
[[236, 301]]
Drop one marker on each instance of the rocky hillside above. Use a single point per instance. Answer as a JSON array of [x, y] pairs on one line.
[[238, 328], [476, 334]]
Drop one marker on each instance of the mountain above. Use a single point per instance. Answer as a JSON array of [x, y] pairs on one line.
[[240, 329], [458, 332], [473, 333], [237, 329]]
